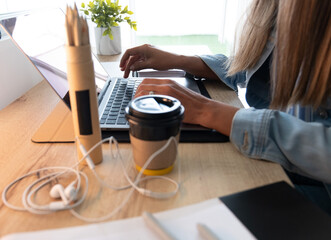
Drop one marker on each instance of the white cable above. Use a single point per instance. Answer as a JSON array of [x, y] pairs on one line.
[[103, 218], [149, 160], [52, 176], [138, 178], [133, 184], [30, 205], [30, 191]]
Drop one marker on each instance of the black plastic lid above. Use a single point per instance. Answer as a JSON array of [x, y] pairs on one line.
[[154, 107]]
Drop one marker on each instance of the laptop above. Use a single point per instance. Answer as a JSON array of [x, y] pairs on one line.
[[41, 37]]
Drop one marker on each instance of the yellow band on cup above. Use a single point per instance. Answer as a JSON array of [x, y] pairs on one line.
[[153, 172]]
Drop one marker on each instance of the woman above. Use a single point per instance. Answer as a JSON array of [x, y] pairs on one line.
[[284, 58]]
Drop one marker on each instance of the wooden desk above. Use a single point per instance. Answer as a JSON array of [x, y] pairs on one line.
[[209, 170]]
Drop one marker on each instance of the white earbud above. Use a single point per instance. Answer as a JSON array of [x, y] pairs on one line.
[[67, 194], [71, 192], [57, 191]]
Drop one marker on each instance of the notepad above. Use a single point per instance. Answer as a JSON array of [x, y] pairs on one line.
[[180, 222]]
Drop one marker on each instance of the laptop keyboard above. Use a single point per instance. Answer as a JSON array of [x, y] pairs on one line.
[[123, 92]]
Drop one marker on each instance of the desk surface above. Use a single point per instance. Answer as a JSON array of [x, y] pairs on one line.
[[209, 170]]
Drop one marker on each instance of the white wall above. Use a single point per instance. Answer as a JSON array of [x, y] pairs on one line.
[[179, 17]]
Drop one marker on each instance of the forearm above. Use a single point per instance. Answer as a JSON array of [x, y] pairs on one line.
[[300, 147], [218, 116], [193, 65]]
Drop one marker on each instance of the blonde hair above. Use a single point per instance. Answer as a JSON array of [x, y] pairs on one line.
[[254, 35], [302, 55], [301, 63]]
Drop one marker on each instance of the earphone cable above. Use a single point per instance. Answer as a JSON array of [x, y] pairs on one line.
[[30, 206], [51, 177], [134, 184]]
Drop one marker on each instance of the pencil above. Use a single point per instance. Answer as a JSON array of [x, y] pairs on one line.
[[155, 226], [77, 28], [206, 233]]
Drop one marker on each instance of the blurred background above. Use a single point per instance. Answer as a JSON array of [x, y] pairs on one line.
[[207, 27]]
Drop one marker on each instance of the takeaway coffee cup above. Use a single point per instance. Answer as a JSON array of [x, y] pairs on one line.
[[153, 120]]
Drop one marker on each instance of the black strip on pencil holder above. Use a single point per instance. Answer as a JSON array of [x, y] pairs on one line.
[[84, 112]]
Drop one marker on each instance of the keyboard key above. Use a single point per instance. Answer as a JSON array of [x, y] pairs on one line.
[[111, 121], [122, 94], [121, 121]]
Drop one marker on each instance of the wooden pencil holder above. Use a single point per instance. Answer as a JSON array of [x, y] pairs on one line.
[[83, 100]]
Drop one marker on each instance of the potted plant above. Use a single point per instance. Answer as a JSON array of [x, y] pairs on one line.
[[107, 15]]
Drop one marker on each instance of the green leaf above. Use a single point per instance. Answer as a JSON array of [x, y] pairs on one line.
[[111, 36], [107, 13], [106, 32]]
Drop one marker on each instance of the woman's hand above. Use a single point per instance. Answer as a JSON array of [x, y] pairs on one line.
[[198, 109], [147, 56]]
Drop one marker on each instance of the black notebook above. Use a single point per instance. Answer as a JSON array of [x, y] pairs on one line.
[[277, 211]]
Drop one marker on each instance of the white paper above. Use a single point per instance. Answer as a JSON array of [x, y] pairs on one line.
[[180, 222]]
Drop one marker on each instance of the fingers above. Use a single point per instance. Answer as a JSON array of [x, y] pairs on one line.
[[164, 87], [128, 59], [130, 52], [189, 99], [143, 93], [129, 66], [146, 56], [158, 86], [134, 59]]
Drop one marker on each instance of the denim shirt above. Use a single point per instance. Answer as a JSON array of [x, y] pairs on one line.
[[298, 139]]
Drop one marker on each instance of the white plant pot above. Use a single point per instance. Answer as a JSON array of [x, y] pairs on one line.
[[106, 46]]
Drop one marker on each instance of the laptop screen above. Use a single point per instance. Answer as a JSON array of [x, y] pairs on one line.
[[41, 36]]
